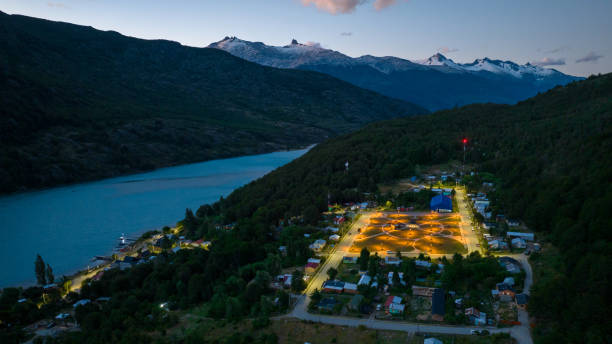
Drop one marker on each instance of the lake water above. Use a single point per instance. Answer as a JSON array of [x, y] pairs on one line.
[[69, 225]]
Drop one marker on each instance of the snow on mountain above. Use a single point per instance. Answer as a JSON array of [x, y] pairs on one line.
[[292, 55], [435, 83], [297, 54]]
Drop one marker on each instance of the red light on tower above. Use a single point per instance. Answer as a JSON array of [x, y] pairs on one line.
[[464, 141]]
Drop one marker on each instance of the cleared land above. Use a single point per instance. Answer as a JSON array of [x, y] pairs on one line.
[[431, 233]]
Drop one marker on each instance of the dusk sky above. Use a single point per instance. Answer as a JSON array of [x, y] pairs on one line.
[[572, 36]]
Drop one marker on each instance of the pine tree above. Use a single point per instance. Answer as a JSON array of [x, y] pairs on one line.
[[49, 273], [39, 270]]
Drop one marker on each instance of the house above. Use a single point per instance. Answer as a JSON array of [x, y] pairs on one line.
[[476, 317], [365, 279], [509, 281], [390, 278], [334, 237], [355, 302], [333, 286], [525, 236], [284, 280], [82, 302], [331, 229], [310, 268], [441, 204], [393, 260], [489, 225], [314, 260], [318, 245], [512, 223], [350, 288], [437, 305], [459, 303], [518, 243], [521, 300], [422, 264], [339, 220], [393, 305], [505, 289], [432, 341], [396, 308], [349, 260]]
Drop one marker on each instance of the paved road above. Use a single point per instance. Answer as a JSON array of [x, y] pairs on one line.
[[335, 257], [470, 236], [300, 311]]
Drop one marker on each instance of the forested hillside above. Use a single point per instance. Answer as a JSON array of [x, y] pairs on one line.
[[551, 153], [78, 103]]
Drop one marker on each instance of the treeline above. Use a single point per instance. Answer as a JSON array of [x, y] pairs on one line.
[[551, 154], [78, 103]]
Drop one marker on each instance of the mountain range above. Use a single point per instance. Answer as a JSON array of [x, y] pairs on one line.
[[436, 83], [78, 103]]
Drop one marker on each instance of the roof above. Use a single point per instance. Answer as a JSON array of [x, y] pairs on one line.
[[441, 202], [437, 302], [392, 299], [336, 285], [521, 299], [314, 260], [312, 265], [365, 279], [350, 286]]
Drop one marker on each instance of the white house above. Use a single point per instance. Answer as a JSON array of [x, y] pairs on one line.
[[525, 236], [318, 245], [334, 237]]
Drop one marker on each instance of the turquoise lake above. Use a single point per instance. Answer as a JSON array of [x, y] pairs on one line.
[[69, 225]]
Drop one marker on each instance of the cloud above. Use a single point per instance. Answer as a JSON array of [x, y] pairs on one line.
[[334, 6], [313, 44], [447, 50], [346, 34], [57, 5], [549, 61], [590, 57], [556, 50], [381, 4], [346, 6]]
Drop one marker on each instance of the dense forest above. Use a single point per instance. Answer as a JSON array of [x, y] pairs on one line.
[[78, 103], [551, 154]]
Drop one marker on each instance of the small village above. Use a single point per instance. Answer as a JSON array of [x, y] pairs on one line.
[[417, 286]]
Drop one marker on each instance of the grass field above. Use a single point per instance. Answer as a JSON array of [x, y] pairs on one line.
[[431, 233], [290, 331]]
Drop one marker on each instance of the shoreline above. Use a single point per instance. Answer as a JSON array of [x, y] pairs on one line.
[[83, 268]]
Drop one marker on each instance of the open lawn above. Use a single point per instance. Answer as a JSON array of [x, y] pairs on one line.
[[431, 233]]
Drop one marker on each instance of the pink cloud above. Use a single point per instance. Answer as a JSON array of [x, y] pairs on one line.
[[381, 4], [334, 6]]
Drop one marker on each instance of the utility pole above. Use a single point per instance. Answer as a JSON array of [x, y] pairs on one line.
[[463, 165]]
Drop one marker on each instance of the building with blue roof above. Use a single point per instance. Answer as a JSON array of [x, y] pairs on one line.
[[441, 204]]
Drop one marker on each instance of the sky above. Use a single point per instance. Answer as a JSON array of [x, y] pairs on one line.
[[573, 36]]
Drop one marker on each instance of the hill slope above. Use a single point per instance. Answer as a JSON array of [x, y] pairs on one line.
[[437, 83], [551, 153], [78, 103]]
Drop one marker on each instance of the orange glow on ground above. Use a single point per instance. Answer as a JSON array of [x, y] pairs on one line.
[[432, 233]]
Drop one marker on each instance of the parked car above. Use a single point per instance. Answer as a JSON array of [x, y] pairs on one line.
[[475, 332]]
